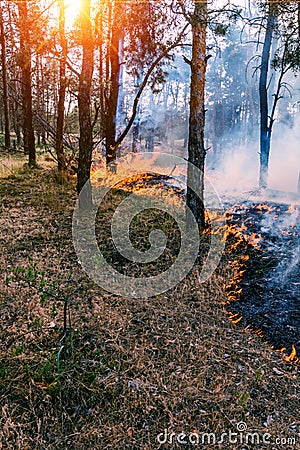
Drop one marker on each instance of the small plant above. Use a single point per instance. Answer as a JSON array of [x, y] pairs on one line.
[[37, 324], [44, 370], [260, 374], [20, 349], [243, 400], [28, 275]]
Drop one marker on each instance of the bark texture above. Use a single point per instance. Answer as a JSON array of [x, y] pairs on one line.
[[61, 164], [4, 83], [25, 64], [265, 128], [84, 107], [117, 36], [196, 147]]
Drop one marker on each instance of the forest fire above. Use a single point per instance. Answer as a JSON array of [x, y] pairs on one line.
[[262, 245], [263, 295], [115, 284]]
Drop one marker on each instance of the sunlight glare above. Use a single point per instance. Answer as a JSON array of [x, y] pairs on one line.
[[72, 11]]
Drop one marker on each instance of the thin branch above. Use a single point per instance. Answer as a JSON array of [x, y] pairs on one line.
[[186, 60], [72, 68], [97, 110], [271, 78], [144, 83]]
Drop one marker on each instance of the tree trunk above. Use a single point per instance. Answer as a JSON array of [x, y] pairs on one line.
[[61, 163], [114, 58], [84, 107], [136, 123], [43, 102], [39, 94], [15, 100], [25, 64], [4, 81], [196, 148], [150, 125], [299, 19], [186, 113], [102, 75], [265, 135], [121, 116]]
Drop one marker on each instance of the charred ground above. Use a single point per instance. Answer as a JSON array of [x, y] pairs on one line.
[[267, 293]]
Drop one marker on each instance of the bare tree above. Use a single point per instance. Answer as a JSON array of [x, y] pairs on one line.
[[282, 24]]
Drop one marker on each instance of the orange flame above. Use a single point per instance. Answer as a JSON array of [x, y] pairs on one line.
[[292, 356], [291, 209], [265, 207]]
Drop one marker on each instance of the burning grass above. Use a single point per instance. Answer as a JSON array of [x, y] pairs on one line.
[[120, 371]]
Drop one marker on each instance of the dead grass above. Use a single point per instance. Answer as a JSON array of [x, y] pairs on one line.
[[126, 369], [15, 161], [8, 165]]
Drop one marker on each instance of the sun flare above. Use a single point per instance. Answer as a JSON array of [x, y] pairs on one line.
[[72, 10]]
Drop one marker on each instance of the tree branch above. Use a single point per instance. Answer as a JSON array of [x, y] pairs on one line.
[[72, 69], [144, 83]]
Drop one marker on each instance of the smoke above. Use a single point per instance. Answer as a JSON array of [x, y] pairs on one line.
[[280, 231], [293, 264], [285, 158], [237, 170]]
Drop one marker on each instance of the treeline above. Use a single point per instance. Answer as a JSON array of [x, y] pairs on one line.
[[45, 53], [141, 67]]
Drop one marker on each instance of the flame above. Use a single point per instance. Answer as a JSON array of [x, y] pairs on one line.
[[291, 209], [242, 227], [254, 239], [292, 356], [287, 232], [264, 207], [280, 350], [259, 332], [237, 320], [235, 317]]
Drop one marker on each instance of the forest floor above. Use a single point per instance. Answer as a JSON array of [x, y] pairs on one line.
[[126, 369]]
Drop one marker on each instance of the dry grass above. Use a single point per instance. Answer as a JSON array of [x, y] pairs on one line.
[[8, 165], [12, 162], [126, 369]]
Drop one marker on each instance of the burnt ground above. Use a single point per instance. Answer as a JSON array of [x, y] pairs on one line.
[[269, 302], [270, 296]]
